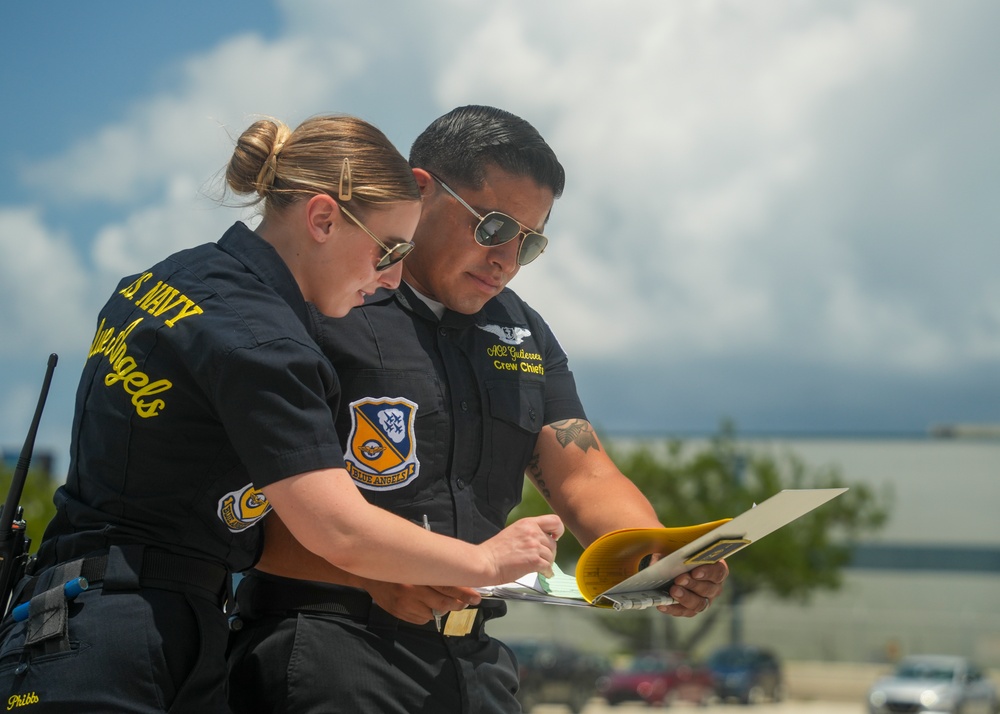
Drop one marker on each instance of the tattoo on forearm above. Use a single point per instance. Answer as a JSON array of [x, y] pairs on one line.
[[535, 471], [576, 431]]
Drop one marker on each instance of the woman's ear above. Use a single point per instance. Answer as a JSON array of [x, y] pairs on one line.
[[322, 216]]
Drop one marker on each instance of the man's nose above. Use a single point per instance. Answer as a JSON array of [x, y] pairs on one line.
[[505, 256]]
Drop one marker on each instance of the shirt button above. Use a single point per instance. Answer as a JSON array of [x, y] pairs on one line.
[[460, 483], [532, 414], [465, 406], [443, 331]]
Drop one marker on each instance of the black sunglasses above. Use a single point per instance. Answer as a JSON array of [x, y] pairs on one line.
[[497, 228]]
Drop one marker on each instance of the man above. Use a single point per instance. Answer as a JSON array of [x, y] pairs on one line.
[[452, 389]]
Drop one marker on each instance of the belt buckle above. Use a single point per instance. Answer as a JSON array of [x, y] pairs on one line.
[[460, 622]]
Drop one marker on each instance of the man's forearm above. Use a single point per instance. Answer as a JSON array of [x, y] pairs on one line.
[[285, 556]]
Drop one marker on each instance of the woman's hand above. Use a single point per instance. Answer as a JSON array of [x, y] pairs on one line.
[[525, 546]]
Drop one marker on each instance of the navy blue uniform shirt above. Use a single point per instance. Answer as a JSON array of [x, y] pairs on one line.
[[201, 386], [440, 418]]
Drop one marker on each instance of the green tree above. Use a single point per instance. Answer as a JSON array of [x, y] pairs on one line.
[[722, 479], [36, 499]]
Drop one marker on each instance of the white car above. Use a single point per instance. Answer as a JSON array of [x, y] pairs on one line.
[[942, 684]]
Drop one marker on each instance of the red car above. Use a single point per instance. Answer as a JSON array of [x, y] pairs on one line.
[[659, 679]]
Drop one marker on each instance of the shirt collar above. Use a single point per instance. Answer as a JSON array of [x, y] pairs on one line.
[[263, 260], [433, 305], [413, 301]]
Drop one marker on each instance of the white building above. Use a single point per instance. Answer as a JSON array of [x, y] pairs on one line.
[[928, 582]]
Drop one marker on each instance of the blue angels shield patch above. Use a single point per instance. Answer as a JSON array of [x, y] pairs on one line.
[[382, 452]]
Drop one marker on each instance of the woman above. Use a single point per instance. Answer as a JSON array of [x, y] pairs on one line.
[[203, 405]]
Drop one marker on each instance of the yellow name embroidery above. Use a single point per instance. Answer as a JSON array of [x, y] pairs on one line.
[[508, 358], [22, 700]]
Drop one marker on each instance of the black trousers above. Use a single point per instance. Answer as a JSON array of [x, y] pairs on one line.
[[325, 663], [144, 650]]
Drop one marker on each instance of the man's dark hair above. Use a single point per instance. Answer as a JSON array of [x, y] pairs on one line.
[[459, 146]]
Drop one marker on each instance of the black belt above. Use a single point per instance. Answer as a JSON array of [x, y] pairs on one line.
[[157, 569], [261, 594]]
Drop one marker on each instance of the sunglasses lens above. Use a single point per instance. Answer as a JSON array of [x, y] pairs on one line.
[[496, 229], [395, 254], [531, 247]]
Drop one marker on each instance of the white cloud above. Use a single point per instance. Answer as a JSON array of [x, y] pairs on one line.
[[187, 131], [43, 286], [184, 217], [692, 125], [859, 327], [725, 162], [984, 329]]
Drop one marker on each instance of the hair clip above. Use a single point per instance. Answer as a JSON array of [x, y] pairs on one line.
[[345, 172]]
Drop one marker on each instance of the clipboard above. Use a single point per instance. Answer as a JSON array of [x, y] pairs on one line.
[[609, 574], [610, 566]]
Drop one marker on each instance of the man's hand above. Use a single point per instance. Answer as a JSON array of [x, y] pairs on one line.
[[695, 591], [416, 603]]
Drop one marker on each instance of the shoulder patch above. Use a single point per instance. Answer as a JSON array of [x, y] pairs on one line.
[[243, 508], [381, 452]]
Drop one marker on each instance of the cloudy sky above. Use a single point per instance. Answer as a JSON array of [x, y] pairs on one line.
[[783, 213]]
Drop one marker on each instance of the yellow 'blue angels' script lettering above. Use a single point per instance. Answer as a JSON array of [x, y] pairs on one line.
[[123, 369], [161, 300]]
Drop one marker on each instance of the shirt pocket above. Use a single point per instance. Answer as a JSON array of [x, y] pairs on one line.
[[426, 425], [516, 416]]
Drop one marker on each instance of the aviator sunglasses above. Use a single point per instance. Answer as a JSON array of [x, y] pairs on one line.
[[497, 228], [392, 255], [345, 191]]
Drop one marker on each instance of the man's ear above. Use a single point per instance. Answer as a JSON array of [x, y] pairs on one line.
[[322, 216], [425, 182]]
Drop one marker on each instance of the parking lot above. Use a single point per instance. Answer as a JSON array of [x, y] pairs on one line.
[[599, 706]]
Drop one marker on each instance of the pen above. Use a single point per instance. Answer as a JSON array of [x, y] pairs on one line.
[[437, 615]]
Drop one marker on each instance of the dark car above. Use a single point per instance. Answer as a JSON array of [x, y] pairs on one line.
[[554, 673], [747, 673], [934, 683], [659, 679]]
